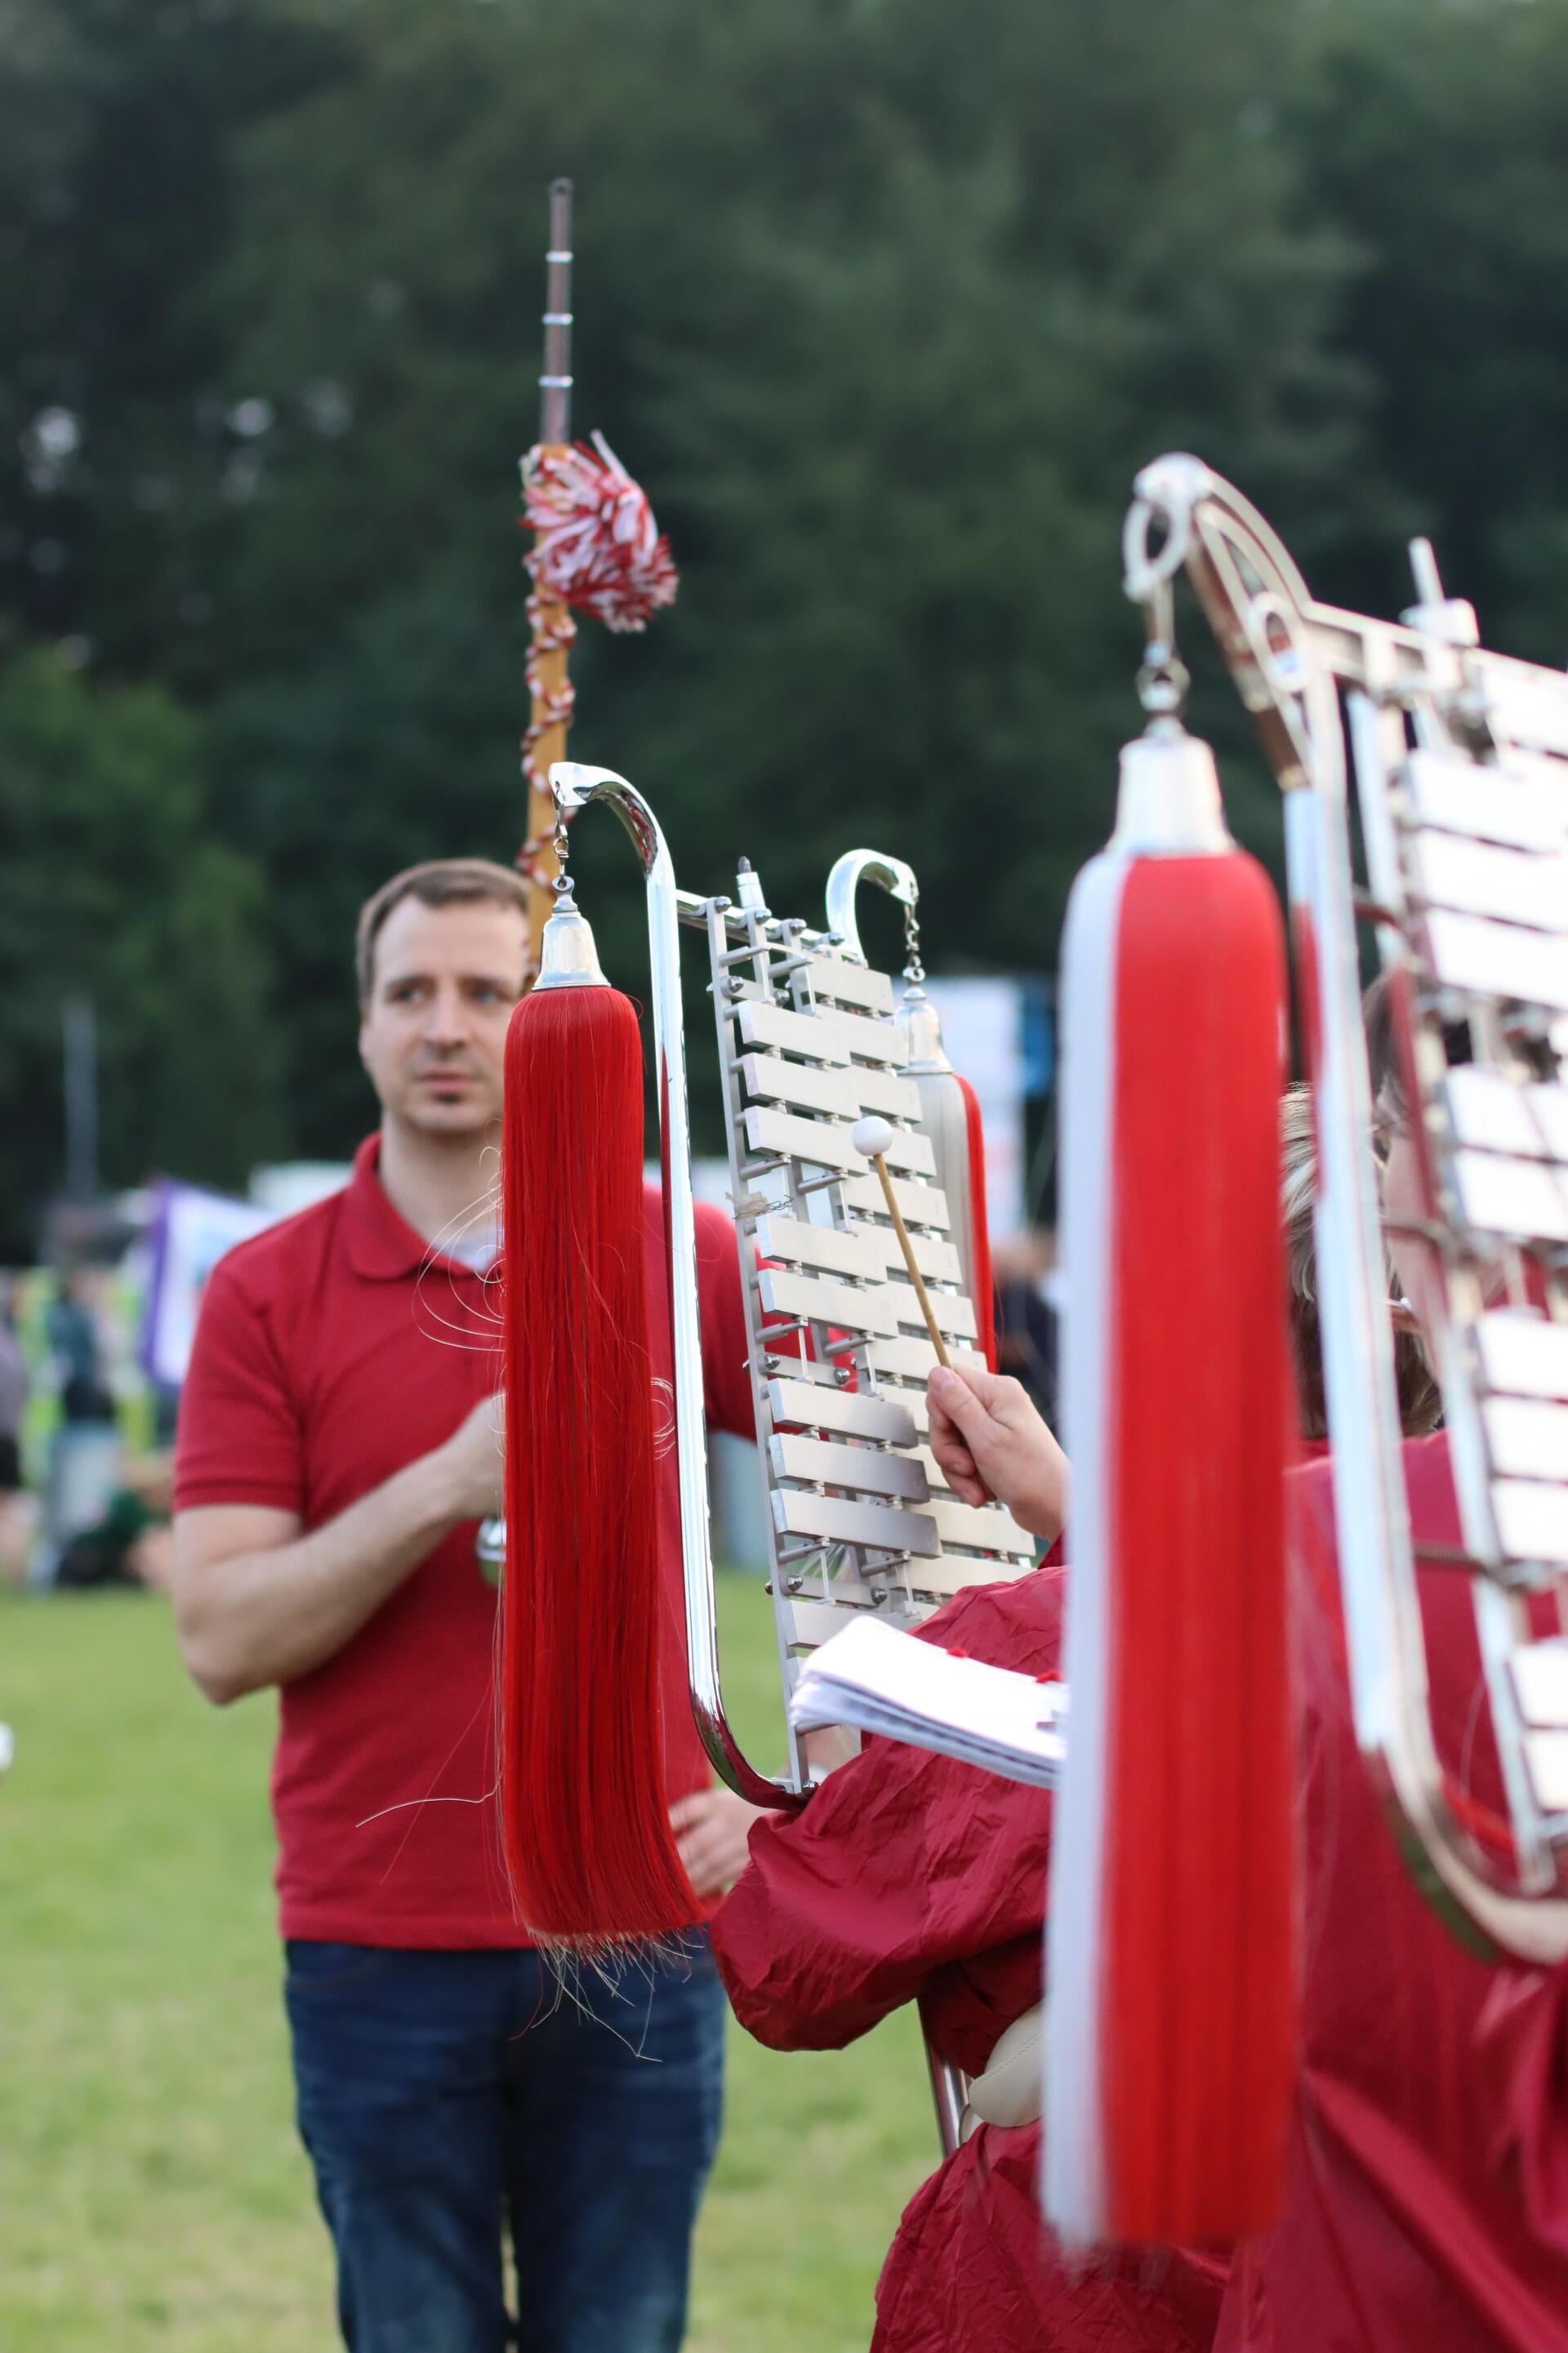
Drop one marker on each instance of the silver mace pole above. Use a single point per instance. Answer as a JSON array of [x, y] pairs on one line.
[[546, 736]]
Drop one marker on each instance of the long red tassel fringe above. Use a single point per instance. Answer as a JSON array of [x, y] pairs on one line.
[[1199, 1989], [1171, 2039], [585, 1821]]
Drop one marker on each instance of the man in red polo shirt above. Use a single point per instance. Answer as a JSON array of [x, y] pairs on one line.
[[338, 1443]]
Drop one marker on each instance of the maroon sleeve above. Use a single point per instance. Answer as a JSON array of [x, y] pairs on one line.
[[903, 1863], [726, 1379], [240, 1438]]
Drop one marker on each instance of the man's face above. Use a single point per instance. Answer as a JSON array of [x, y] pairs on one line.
[[433, 1034]]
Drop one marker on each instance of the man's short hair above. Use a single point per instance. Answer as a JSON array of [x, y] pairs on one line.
[[436, 882]]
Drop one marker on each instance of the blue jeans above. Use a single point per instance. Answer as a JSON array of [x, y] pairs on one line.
[[442, 2093]]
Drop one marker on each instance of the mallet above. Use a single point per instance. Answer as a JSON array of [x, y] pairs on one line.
[[872, 1136]]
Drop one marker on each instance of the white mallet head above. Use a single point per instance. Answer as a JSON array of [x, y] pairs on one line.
[[871, 1137]]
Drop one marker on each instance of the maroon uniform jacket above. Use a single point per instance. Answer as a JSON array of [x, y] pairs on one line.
[[909, 1876], [1427, 2200]]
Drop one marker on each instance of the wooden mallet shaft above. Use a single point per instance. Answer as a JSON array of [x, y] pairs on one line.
[[872, 1136]]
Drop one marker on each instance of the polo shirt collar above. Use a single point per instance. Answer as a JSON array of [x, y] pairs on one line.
[[382, 1245]]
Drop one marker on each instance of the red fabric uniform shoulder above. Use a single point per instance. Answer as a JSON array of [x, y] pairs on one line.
[[726, 1373], [240, 1439], [279, 1252], [727, 1380], [1017, 1625], [902, 1865]]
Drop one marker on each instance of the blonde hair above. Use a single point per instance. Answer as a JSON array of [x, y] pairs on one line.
[[1419, 1403]]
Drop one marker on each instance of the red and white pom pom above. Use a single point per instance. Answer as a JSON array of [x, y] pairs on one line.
[[596, 546]]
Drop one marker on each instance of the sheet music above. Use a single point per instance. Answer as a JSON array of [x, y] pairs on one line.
[[877, 1679]]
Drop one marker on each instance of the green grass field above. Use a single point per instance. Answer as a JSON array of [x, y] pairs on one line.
[[152, 2195]]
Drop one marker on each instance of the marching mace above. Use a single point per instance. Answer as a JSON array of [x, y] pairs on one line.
[[597, 549], [552, 627], [585, 1829]]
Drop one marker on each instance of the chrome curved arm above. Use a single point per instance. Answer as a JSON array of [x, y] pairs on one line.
[[917, 1013], [1255, 602], [574, 786], [858, 866]]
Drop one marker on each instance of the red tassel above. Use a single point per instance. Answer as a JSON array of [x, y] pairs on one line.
[[984, 1286], [1170, 2037], [585, 1821]]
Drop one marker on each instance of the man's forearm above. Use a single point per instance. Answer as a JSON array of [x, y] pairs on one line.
[[263, 1617]]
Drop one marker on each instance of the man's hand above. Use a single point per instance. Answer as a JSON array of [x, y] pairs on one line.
[[989, 1440], [473, 1462], [259, 1600], [712, 1827]]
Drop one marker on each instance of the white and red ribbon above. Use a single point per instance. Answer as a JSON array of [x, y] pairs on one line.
[[596, 546]]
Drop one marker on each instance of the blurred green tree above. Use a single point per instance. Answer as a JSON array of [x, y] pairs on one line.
[[884, 302], [1436, 135], [112, 887], [120, 460], [363, 767], [883, 306]]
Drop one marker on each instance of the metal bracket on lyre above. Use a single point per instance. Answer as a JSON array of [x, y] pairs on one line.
[[844, 881]]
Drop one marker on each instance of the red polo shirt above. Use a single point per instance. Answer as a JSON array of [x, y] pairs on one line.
[[333, 1351]]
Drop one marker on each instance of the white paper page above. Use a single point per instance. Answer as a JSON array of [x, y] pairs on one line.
[[879, 1679]]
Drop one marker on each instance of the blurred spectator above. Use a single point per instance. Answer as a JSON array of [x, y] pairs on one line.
[[132, 1545], [73, 1336], [84, 1472], [15, 1517], [1024, 1268], [13, 1397]]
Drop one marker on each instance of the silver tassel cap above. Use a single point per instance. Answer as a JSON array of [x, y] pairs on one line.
[[567, 955], [1168, 802]]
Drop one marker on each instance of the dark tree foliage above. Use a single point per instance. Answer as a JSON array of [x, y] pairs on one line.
[[119, 127], [1439, 137], [885, 302], [158, 922]]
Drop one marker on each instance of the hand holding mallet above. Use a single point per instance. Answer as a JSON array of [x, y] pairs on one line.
[[871, 1137]]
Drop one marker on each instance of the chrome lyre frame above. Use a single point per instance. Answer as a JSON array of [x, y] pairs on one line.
[[1290, 657], [949, 2083], [844, 881], [573, 787]]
